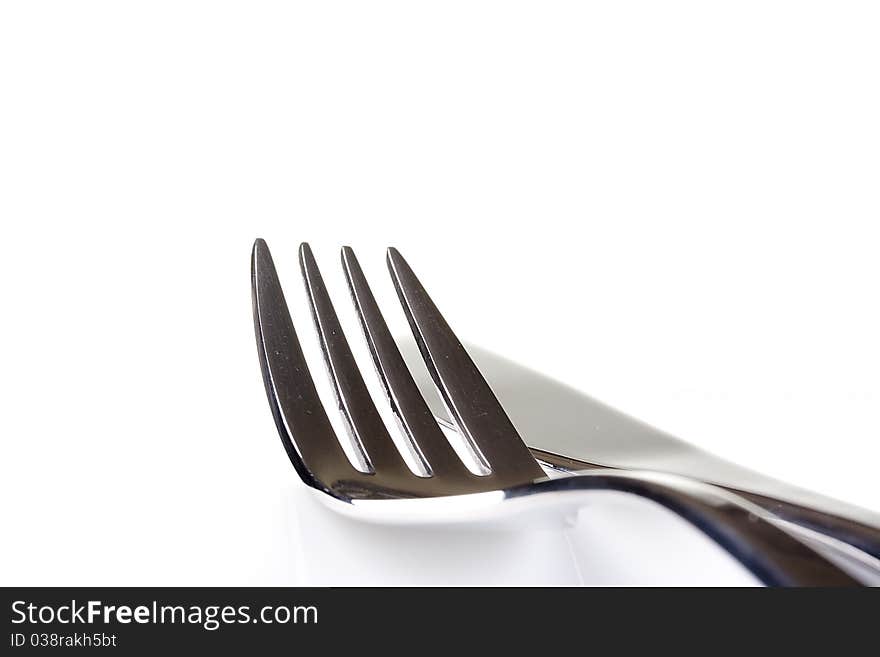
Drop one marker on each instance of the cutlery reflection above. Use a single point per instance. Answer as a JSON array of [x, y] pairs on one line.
[[509, 480]]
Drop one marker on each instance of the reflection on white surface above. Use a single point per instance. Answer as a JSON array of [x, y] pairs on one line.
[[702, 256], [617, 540], [622, 539]]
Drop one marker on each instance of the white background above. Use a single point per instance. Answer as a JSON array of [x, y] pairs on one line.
[[671, 206]]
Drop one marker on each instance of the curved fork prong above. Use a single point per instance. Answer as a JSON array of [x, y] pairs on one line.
[[303, 425], [355, 404], [426, 438], [469, 399]]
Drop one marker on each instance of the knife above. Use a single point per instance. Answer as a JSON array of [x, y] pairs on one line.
[[570, 432]]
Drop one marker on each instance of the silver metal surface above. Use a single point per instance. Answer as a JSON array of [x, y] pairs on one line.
[[573, 432], [435, 455], [476, 412], [515, 481]]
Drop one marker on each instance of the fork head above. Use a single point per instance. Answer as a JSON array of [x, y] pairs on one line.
[[382, 473], [506, 464]]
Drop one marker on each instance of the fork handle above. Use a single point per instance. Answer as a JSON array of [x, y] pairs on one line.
[[742, 528], [848, 530]]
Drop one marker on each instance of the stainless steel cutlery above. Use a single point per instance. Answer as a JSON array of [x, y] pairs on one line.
[[504, 479]]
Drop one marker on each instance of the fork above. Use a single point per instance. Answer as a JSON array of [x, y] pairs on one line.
[[509, 482]]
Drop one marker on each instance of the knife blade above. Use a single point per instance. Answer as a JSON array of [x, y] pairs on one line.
[[570, 431]]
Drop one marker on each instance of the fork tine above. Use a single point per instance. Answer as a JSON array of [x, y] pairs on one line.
[[302, 423], [416, 419], [471, 402], [355, 404]]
